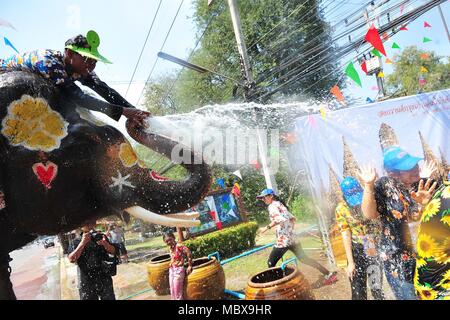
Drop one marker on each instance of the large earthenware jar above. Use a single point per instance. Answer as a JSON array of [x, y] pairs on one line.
[[278, 284], [158, 274], [207, 280]]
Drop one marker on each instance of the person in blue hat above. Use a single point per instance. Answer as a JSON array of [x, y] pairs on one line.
[[359, 239], [389, 198], [76, 63], [284, 221]]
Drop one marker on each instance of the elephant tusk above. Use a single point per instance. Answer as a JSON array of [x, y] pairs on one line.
[[163, 220], [184, 215]]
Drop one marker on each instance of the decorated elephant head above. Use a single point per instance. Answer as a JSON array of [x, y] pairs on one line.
[[60, 167]]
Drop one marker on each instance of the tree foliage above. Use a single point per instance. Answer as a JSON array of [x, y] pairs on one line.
[[407, 71], [277, 33]]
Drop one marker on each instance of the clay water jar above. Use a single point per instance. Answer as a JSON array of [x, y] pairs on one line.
[[276, 284], [158, 274], [207, 280]]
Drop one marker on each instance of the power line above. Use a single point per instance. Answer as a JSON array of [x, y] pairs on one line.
[[407, 17], [143, 47], [162, 47], [190, 55]]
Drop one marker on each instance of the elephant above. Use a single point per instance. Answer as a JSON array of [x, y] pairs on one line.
[[61, 167]]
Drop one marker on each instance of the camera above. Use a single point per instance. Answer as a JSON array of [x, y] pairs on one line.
[[96, 236]]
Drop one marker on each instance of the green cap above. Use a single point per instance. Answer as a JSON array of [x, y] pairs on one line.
[[87, 47]]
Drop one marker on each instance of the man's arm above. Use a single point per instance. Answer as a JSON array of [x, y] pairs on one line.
[[91, 103], [106, 92], [75, 255], [111, 249]]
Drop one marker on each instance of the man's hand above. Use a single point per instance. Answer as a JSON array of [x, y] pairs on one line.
[[104, 243], [424, 194], [368, 175], [264, 229], [427, 169], [136, 115], [351, 270], [86, 238]]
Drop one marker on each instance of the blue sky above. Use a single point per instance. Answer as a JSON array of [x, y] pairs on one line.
[[123, 25]]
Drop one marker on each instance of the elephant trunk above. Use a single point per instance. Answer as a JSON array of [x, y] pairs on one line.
[[166, 196]]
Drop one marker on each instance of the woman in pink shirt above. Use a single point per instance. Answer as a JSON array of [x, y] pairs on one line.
[[179, 256], [285, 222]]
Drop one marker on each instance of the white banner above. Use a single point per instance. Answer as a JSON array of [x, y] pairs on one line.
[[418, 124]]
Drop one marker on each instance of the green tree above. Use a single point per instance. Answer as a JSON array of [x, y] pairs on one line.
[[283, 39], [407, 72]]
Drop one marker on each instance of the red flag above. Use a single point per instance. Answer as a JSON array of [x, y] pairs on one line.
[[236, 191], [374, 39], [219, 225], [426, 25], [364, 67], [403, 28]]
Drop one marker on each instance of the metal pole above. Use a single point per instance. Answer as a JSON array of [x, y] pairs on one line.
[[444, 22], [236, 20]]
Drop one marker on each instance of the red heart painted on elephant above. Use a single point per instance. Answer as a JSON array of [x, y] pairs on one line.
[[45, 173]]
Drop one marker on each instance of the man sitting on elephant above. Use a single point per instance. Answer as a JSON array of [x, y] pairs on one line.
[[77, 63]]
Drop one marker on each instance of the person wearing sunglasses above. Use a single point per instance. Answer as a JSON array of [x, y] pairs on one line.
[[76, 63]]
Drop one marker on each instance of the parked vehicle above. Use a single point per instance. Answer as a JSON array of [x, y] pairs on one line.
[[49, 242]]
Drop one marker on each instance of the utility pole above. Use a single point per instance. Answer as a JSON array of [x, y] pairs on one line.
[[444, 22], [249, 85]]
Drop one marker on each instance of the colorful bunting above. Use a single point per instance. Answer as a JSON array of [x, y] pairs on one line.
[[337, 93], [423, 69], [426, 25], [219, 225], [236, 191], [403, 28], [290, 138], [255, 164], [402, 7], [425, 39], [375, 88], [351, 72], [369, 100], [6, 24], [385, 36], [422, 80], [312, 121], [323, 113], [374, 39], [8, 43], [274, 152], [424, 56], [221, 182], [213, 215], [364, 67], [377, 53], [388, 61], [395, 46], [238, 174], [380, 74]]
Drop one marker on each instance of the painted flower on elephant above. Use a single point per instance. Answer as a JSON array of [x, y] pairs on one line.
[[127, 155], [32, 124]]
